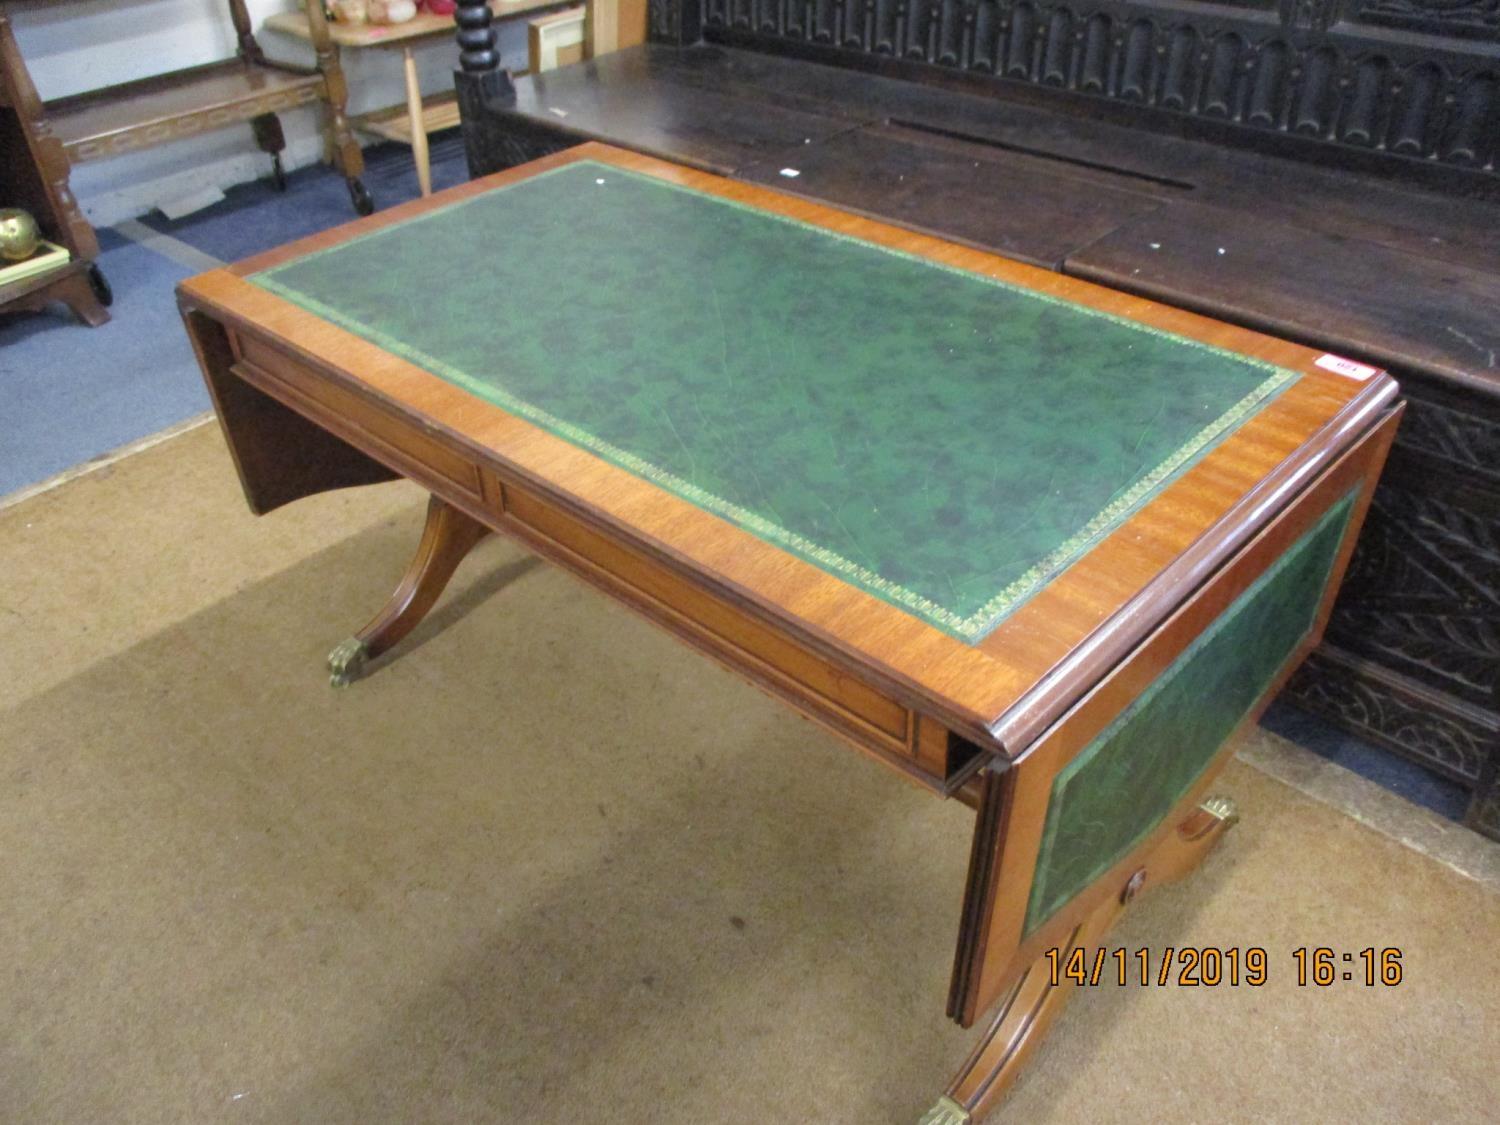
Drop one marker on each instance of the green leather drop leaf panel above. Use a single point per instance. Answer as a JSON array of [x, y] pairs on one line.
[[1120, 786], [943, 441]]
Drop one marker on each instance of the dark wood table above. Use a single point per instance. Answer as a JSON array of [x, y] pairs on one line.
[[1034, 544]]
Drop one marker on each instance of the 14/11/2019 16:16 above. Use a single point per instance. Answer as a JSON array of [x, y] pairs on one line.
[[1211, 966]]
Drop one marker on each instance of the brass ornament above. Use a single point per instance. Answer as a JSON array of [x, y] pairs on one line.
[[19, 236], [945, 1112], [346, 663], [1223, 808]]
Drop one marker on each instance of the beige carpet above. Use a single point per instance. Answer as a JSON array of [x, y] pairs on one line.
[[550, 866]]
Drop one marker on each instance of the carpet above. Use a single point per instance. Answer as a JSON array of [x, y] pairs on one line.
[[69, 393], [549, 865]]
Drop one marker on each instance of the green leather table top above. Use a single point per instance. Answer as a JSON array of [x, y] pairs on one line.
[[942, 440]]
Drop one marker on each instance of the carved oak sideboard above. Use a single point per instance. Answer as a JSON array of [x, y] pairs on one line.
[[1410, 78]]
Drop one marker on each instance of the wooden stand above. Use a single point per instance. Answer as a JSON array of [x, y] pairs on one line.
[[247, 89], [34, 175]]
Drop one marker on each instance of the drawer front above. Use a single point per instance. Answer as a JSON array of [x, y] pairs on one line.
[[772, 660], [768, 657]]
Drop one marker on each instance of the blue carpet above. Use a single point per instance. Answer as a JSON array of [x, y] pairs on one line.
[[1390, 770], [69, 393], [252, 217]]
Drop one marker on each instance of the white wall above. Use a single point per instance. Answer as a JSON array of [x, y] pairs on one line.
[[86, 44]]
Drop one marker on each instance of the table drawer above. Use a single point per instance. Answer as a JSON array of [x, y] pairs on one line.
[[728, 632]]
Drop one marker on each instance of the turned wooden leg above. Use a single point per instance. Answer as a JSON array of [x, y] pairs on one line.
[[448, 536], [417, 120], [1027, 1010], [272, 141], [339, 137]]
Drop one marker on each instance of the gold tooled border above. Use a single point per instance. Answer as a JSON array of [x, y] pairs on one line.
[[972, 628]]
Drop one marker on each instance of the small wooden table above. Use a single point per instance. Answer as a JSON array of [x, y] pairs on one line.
[[1032, 543], [410, 123]]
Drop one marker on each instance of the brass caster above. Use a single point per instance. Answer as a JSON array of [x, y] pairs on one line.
[[346, 663], [1223, 809], [946, 1112]]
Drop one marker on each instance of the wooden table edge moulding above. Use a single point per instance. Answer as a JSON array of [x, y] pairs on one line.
[[1009, 722]]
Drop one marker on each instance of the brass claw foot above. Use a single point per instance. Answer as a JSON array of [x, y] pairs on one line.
[[346, 663], [945, 1112], [1223, 809], [447, 537]]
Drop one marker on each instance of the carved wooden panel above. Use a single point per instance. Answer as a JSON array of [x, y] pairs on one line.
[[1469, 441], [674, 21], [492, 142], [1454, 741], [1408, 78], [1412, 653], [1477, 18], [1423, 592], [154, 133], [1484, 812]]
